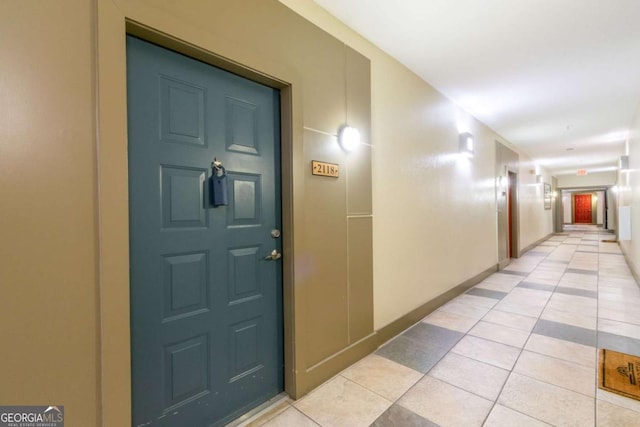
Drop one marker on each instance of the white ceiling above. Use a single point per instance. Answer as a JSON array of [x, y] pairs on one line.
[[560, 79]]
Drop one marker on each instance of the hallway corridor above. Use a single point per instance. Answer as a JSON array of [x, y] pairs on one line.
[[518, 349]]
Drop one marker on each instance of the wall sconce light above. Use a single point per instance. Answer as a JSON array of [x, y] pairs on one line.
[[624, 163], [538, 179], [349, 138], [466, 144]]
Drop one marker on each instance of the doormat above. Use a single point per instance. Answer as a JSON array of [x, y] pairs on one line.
[[619, 373]]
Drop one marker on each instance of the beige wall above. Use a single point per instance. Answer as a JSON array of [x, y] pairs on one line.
[[567, 207], [597, 179], [48, 224], [535, 222], [428, 204], [600, 207], [629, 195]]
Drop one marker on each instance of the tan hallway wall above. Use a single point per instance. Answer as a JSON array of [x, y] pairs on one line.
[[628, 187], [536, 222], [428, 203], [48, 226], [596, 179]]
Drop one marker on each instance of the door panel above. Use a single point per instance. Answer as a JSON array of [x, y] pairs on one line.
[[583, 209], [206, 306]]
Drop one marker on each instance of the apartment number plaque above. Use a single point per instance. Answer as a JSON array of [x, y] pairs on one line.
[[325, 169]]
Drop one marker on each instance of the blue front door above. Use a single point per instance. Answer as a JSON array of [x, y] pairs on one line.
[[206, 303]]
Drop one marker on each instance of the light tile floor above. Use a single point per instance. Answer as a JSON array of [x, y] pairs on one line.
[[518, 349]]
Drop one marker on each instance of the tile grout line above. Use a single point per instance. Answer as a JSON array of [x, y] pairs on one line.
[[318, 423], [373, 391], [597, 356], [546, 258], [427, 373], [511, 371], [553, 357], [306, 416]]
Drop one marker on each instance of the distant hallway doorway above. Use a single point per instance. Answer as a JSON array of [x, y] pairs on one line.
[[582, 210]]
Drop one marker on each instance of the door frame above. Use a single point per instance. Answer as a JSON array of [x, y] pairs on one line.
[[112, 204], [513, 250], [507, 164]]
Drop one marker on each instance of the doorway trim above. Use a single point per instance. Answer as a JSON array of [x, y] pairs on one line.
[[112, 204], [513, 250], [506, 166], [609, 217]]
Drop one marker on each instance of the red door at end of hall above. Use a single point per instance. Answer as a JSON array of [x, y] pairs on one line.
[[582, 208]]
